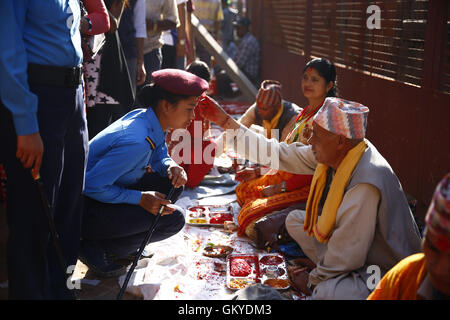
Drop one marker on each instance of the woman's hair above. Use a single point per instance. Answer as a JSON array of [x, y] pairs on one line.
[[200, 69], [151, 94], [327, 70]]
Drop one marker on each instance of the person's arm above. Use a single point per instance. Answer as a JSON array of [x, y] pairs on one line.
[[352, 236], [98, 15], [141, 73], [295, 182], [294, 158], [161, 160], [141, 34], [181, 30], [169, 20], [14, 90], [101, 179], [248, 118], [160, 25]]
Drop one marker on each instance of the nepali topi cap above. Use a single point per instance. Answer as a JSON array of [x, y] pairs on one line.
[[269, 94], [343, 117], [180, 82], [437, 219]]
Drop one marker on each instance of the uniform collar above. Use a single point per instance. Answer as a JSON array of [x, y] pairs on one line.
[[155, 131]]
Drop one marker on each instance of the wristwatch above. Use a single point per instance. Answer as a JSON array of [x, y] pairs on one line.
[[283, 187]]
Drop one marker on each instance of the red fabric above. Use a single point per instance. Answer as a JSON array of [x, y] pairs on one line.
[[298, 180], [98, 15], [180, 82], [195, 172]]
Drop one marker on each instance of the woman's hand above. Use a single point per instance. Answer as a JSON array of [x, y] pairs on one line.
[[177, 175], [271, 190], [152, 202], [247, 174], [212, 111]]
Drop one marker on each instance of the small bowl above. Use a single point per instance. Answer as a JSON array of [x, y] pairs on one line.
[[218, 251], [277, 283]]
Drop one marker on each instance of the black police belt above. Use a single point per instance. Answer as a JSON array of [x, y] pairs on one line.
[[55, 76]]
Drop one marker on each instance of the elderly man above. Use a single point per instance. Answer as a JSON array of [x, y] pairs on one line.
[[424, 275], [270, 111], [357, 218]]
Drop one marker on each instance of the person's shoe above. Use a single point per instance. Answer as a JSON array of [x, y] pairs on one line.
[[100, 262]]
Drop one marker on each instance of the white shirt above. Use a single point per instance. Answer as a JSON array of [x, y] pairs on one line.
[[159, 10], [167, 38], [139, 19]]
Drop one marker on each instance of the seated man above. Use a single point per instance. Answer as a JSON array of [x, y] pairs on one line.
[[270, 111], [424, 275], [357, 214]]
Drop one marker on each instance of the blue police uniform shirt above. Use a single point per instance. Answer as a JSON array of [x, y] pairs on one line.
[[119, 155], [34, 31]]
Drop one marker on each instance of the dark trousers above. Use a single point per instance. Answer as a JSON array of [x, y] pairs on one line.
[[169, 57], [33, 268], [101, 116], [152, 62], [120, 229]]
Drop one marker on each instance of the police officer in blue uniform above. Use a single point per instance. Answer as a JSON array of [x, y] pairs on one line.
[[42, 128], [129, 173]]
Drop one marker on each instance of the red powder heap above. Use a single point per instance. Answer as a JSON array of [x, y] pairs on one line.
[[240, 268], [220, 218]]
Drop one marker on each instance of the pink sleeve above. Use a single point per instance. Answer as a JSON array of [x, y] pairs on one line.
[[98, 15]]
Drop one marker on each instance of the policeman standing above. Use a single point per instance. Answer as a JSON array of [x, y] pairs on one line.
[[129, 173], [42, 128]]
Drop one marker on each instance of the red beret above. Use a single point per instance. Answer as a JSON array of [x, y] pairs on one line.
[[180, 82]]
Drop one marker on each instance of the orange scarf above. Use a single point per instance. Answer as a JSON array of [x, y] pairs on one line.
[[402, 281]]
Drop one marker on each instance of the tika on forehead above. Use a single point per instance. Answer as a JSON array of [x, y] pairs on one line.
[[342, 117]]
